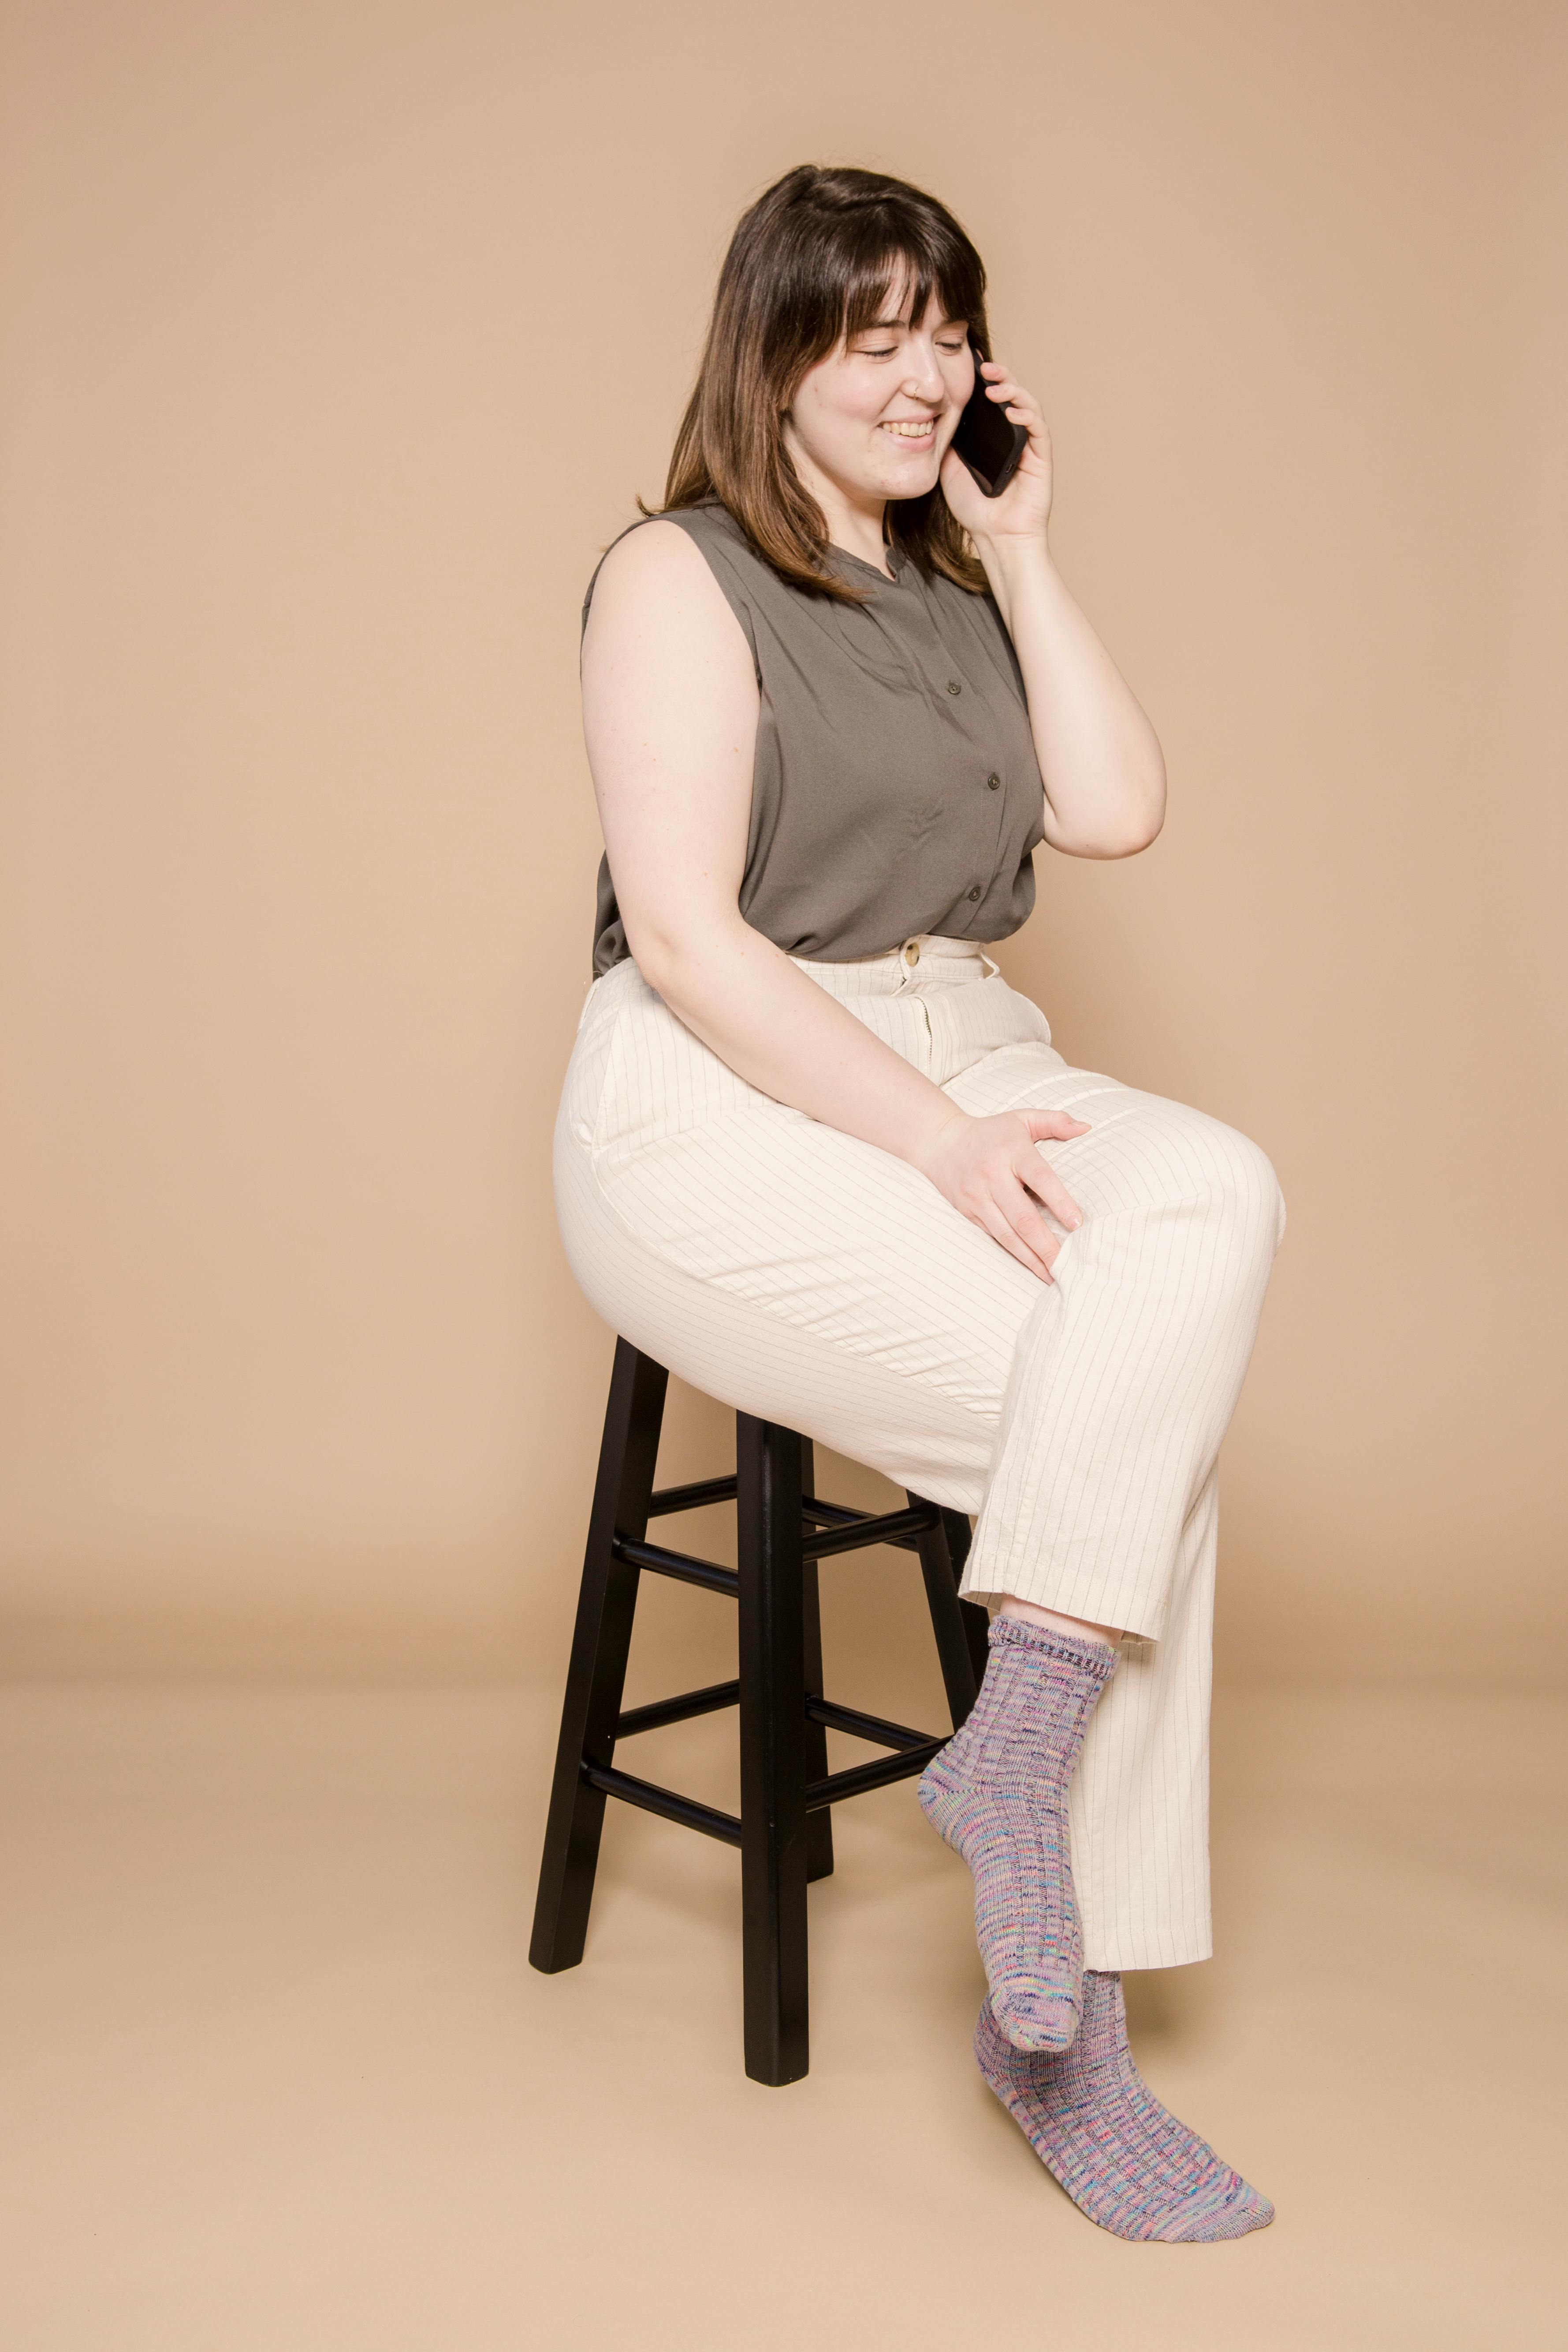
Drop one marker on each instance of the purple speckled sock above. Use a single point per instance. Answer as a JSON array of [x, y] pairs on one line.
[[1122, 2156], [997, 1793]]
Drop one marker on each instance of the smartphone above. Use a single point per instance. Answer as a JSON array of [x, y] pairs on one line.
[[987, 440]]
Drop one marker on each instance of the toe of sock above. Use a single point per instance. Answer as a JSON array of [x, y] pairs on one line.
[[1244, 2209]]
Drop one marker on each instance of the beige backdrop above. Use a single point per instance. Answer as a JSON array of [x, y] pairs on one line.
[[342, 337]]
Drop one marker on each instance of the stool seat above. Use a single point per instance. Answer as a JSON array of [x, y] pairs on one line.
[[783, 1829]]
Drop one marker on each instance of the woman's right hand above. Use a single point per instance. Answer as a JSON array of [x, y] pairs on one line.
[[990, 1169]]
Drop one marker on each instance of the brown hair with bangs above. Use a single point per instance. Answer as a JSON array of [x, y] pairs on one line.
[[815, 259]]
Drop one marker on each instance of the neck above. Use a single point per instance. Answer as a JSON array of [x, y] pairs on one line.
[[854, 518]]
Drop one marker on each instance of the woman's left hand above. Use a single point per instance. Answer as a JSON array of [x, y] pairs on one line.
[[1024, 507]]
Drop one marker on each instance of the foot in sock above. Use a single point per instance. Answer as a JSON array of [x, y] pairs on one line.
[[1122, 2156], [997, 1793]]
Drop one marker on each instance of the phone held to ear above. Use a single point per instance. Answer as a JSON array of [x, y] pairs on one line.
[[987, 440]]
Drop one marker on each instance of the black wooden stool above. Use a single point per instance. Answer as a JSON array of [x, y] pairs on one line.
[[785, 1830]]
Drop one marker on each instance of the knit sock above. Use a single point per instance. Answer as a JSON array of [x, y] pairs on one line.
[[997, 1793], [1122, 2156]]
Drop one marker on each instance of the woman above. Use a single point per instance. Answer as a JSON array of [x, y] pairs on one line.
[[819, 1158]]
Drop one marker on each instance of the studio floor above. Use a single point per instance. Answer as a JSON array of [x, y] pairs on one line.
[[278, 2079]]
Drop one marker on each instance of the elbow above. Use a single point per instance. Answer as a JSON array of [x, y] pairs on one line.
[[1137, 836], [653, 952], [1143, 813], [655, 933], [673, 957], [1123, 822], [1112, 841]]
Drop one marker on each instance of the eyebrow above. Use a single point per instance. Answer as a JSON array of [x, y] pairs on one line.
[[886, 326]]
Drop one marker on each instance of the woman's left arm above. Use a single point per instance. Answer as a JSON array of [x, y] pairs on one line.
[[1100, 759]]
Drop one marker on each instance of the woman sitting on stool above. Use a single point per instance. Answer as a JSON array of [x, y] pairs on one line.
[[817, 1156]]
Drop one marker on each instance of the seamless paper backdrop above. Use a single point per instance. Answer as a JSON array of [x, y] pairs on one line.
[[341, 337]]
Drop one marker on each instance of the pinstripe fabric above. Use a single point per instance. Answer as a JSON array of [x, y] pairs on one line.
[[806, 1276]]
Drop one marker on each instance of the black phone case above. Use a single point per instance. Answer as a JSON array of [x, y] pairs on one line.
[[987, 440]]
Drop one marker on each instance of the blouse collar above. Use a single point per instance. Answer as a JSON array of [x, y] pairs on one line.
[[896, 557]]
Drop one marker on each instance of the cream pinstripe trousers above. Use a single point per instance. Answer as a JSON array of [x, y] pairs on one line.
[[810, 1278]]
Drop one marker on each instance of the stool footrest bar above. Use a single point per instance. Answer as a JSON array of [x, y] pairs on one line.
[[683, 1565], [888, 1527], [866, 1726], [655, 1800], [676, 1710], [691, 1498], [865, 1777], [844, 1515]]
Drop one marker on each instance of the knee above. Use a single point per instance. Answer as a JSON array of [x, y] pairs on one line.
[[1248, 1188], [1236, 1181]]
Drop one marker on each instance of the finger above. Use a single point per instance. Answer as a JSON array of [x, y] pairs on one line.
[[1054, 1123], [1001, 385], [1039, 1176], [1018, 1202], [997, 1226], [1009, 392], [1021, 410]]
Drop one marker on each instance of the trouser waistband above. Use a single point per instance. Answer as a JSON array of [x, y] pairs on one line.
[[924, 959]]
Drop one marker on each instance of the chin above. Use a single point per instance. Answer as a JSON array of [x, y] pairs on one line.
[[910, 481]]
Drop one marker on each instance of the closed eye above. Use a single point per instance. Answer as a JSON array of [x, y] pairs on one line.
[[890, 350]]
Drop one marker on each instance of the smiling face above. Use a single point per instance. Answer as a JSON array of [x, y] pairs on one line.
[[874, 416]]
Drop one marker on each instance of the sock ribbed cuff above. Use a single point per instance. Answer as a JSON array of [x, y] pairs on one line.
[[1078, 1650]]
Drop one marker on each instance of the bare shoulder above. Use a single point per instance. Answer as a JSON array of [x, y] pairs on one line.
[[652, 563], [671, 700], [657, 570], [658, 548]]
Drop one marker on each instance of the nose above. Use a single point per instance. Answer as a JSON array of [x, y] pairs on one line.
[[924, 380]]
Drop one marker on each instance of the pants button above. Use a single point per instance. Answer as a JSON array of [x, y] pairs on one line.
[[911, 950]]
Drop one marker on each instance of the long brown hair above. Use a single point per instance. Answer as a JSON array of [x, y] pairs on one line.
[[813, 259]]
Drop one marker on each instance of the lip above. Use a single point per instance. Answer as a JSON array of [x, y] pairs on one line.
[[909, 440]]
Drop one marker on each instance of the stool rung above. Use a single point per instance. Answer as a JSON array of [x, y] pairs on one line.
[[874, 1728], [692, 1497], [676, 1710], [655, 1800], [890, 1527], [843, 1514], [681, 1564], [818, 1543], [856, 1783], [702, 1491]]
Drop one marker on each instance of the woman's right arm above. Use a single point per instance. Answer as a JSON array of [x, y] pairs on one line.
[[670, 709]]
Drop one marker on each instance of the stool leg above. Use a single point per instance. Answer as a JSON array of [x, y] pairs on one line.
[[772, 1749], [976, 1622], [819, 1825], [976, 1619], [596, 1676], [960, 1627]]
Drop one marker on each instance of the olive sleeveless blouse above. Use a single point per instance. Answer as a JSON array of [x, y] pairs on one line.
[[895, 787]]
